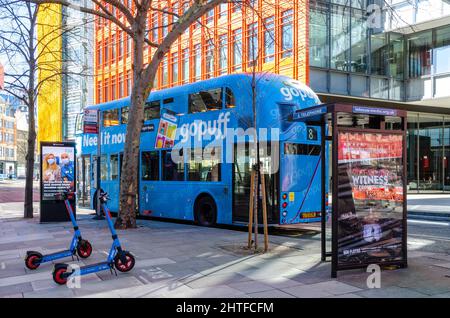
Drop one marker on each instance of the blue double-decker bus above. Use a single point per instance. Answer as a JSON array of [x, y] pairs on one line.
[[197, 151]]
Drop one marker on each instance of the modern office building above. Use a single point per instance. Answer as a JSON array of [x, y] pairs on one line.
[[388, 53], [8, 139], [65, 45]]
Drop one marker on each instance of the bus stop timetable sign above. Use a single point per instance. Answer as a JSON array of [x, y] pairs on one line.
[[299, 115]]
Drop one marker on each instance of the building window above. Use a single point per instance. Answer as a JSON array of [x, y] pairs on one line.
[[174, 68], [155, 36], [204, 101], [121, 84], [318, 35], [237, 49], [165, 23], [379, 54], [209, 58], [165, 72], [269, 39], [99, 92], [442, 50], [106, 51], [113, 49], [128, 83], [129, 45], [340, 44], [223, 53], [99, 54], [197, 62], [113, 88], [420, 47], [223, 10], [171, 171], [252, 43], [358, 38], [236, 7], [185, 65], [287, 33], [209, 16], [150, 165], [120, 44]]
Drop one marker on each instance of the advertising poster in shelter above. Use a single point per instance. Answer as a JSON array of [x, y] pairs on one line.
[[370, 198]]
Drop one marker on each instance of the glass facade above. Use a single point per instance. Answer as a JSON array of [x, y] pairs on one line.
[[428, 146]]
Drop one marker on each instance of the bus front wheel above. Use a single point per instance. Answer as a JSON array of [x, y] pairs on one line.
[[205, 211]]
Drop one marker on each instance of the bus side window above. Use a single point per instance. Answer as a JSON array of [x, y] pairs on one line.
[[204, 101], [230, 101], [150, 165], [111, 117], [152, 110], [103, 167], [124, 115], [114, 167], [204, 164], [171, 171]]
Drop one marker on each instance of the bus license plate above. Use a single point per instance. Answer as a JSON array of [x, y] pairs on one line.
[[308, 215]]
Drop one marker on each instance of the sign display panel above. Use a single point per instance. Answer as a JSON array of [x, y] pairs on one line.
[[58, 176], [58, 170], [370, 198], [90, 121]]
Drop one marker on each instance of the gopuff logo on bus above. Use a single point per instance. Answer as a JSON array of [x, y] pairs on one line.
[[296, 89], [200, 128]]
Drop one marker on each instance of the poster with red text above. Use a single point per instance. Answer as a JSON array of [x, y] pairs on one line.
[[370, 198]]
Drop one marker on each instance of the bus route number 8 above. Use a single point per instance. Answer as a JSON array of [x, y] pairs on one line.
[[311, 133]]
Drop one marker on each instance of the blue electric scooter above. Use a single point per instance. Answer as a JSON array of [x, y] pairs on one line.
[[118, 258], [78, 246]]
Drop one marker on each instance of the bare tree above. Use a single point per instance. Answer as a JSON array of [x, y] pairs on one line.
[[20, 45], [135, 20]]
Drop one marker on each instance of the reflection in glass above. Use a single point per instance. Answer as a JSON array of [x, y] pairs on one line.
[[318, 40], [340, 38]]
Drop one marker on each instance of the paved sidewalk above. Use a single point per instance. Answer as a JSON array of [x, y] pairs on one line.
[[177, 260]]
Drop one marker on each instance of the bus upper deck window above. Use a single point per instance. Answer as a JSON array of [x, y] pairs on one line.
[[111, 117], [124, 115], [204, 101], [230, 101], [152, 110]]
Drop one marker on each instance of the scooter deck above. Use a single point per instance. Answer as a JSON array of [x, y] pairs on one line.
[[56, 255], [93, 268]]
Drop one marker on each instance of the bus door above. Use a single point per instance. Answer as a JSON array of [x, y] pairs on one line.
[[241, 183], [300, 183], [84, 181]]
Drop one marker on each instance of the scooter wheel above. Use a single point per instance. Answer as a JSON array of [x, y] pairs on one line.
[[84, 249], [32, 261], [58, 275], [127, 265]]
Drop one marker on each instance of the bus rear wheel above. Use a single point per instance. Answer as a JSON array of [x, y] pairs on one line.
[[205, 211]]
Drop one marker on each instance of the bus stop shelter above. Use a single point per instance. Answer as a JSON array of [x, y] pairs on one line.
[[363, 162]]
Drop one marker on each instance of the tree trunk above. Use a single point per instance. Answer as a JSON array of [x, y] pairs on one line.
[[130, 166], [31, 145]]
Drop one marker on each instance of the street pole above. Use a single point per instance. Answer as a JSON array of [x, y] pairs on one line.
[[98, 212]]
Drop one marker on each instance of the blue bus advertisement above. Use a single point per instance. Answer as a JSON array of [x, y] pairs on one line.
[[197, 149]]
